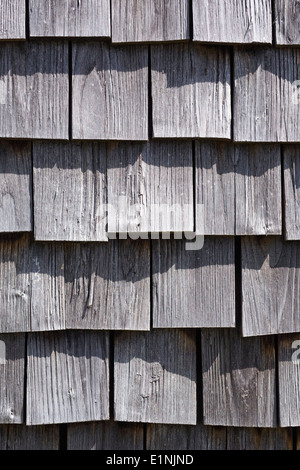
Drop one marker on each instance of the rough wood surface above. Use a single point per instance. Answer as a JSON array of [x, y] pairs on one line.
[[34, 89], [68, 377], [108, 435], [238, 379], [110, 92], [289, 379], [70, 185], [15, 187], [292, 192], [155, 377], [70, 18], [266, 101], [191, 91], [259, 439], [171, 437], [108, 285], [12, 19], [270, 286], [239, 187], [193, 288], [150, 187], [12, 379], [232, 22], [287, 22], [150, 20], [22, 437]]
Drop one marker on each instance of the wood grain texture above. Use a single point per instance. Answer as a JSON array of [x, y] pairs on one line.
[[266, 101], [171, 437], [288, 378], [108, 435], [34, 89], [22, 437], [12, 19], [292, 192], [287, 14], [70, 18], [68, 377], [238, 379], [155, 377], [70, 186], [150, 20], [31, 285], [232, 22], [110, 92], [239, 187], [259, 439], [16, 187], [149, 187], [191, 91], [193, 288], [108, 285], [270, 286], [12, 379]]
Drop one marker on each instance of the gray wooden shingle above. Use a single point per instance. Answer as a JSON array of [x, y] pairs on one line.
[[239, 187], [68, 377], [22, 437], [233, 21], [259, 439], [108, 285], [31, 285], [292, 192], [150, 20], [193, 288], [110, 92], [15, 187], [266, 101], [34, 89], [12, 378], [108, 435], [70, 187], [270, 286], [149, 187], [12, 19], [155, 377], [238, 379], [287, 22], [191, 91], [69, 18], [288, 378]]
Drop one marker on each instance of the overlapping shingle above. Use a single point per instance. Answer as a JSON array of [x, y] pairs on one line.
[[287, 22], [12, 19]]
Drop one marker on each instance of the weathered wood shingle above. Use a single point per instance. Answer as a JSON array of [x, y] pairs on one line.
[[292, 192], [12, 19], [22, 437], [233, 21], [287, 22]]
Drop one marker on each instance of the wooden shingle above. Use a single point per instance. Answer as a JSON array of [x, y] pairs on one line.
[[233, 21], [110, 92], [12, 378], [69, 191], [68, 376], [15, 187], [193, 288], [259, 439], [108, 285], [69, 18], [108, 435], [239, 187], [155, 377], [149, 187], [12, 19], [191, 91], [270, 286], [287, 15], [150, 20], [34, 90], [266, 101], [238, 379], [22, 437], [292, 192]]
